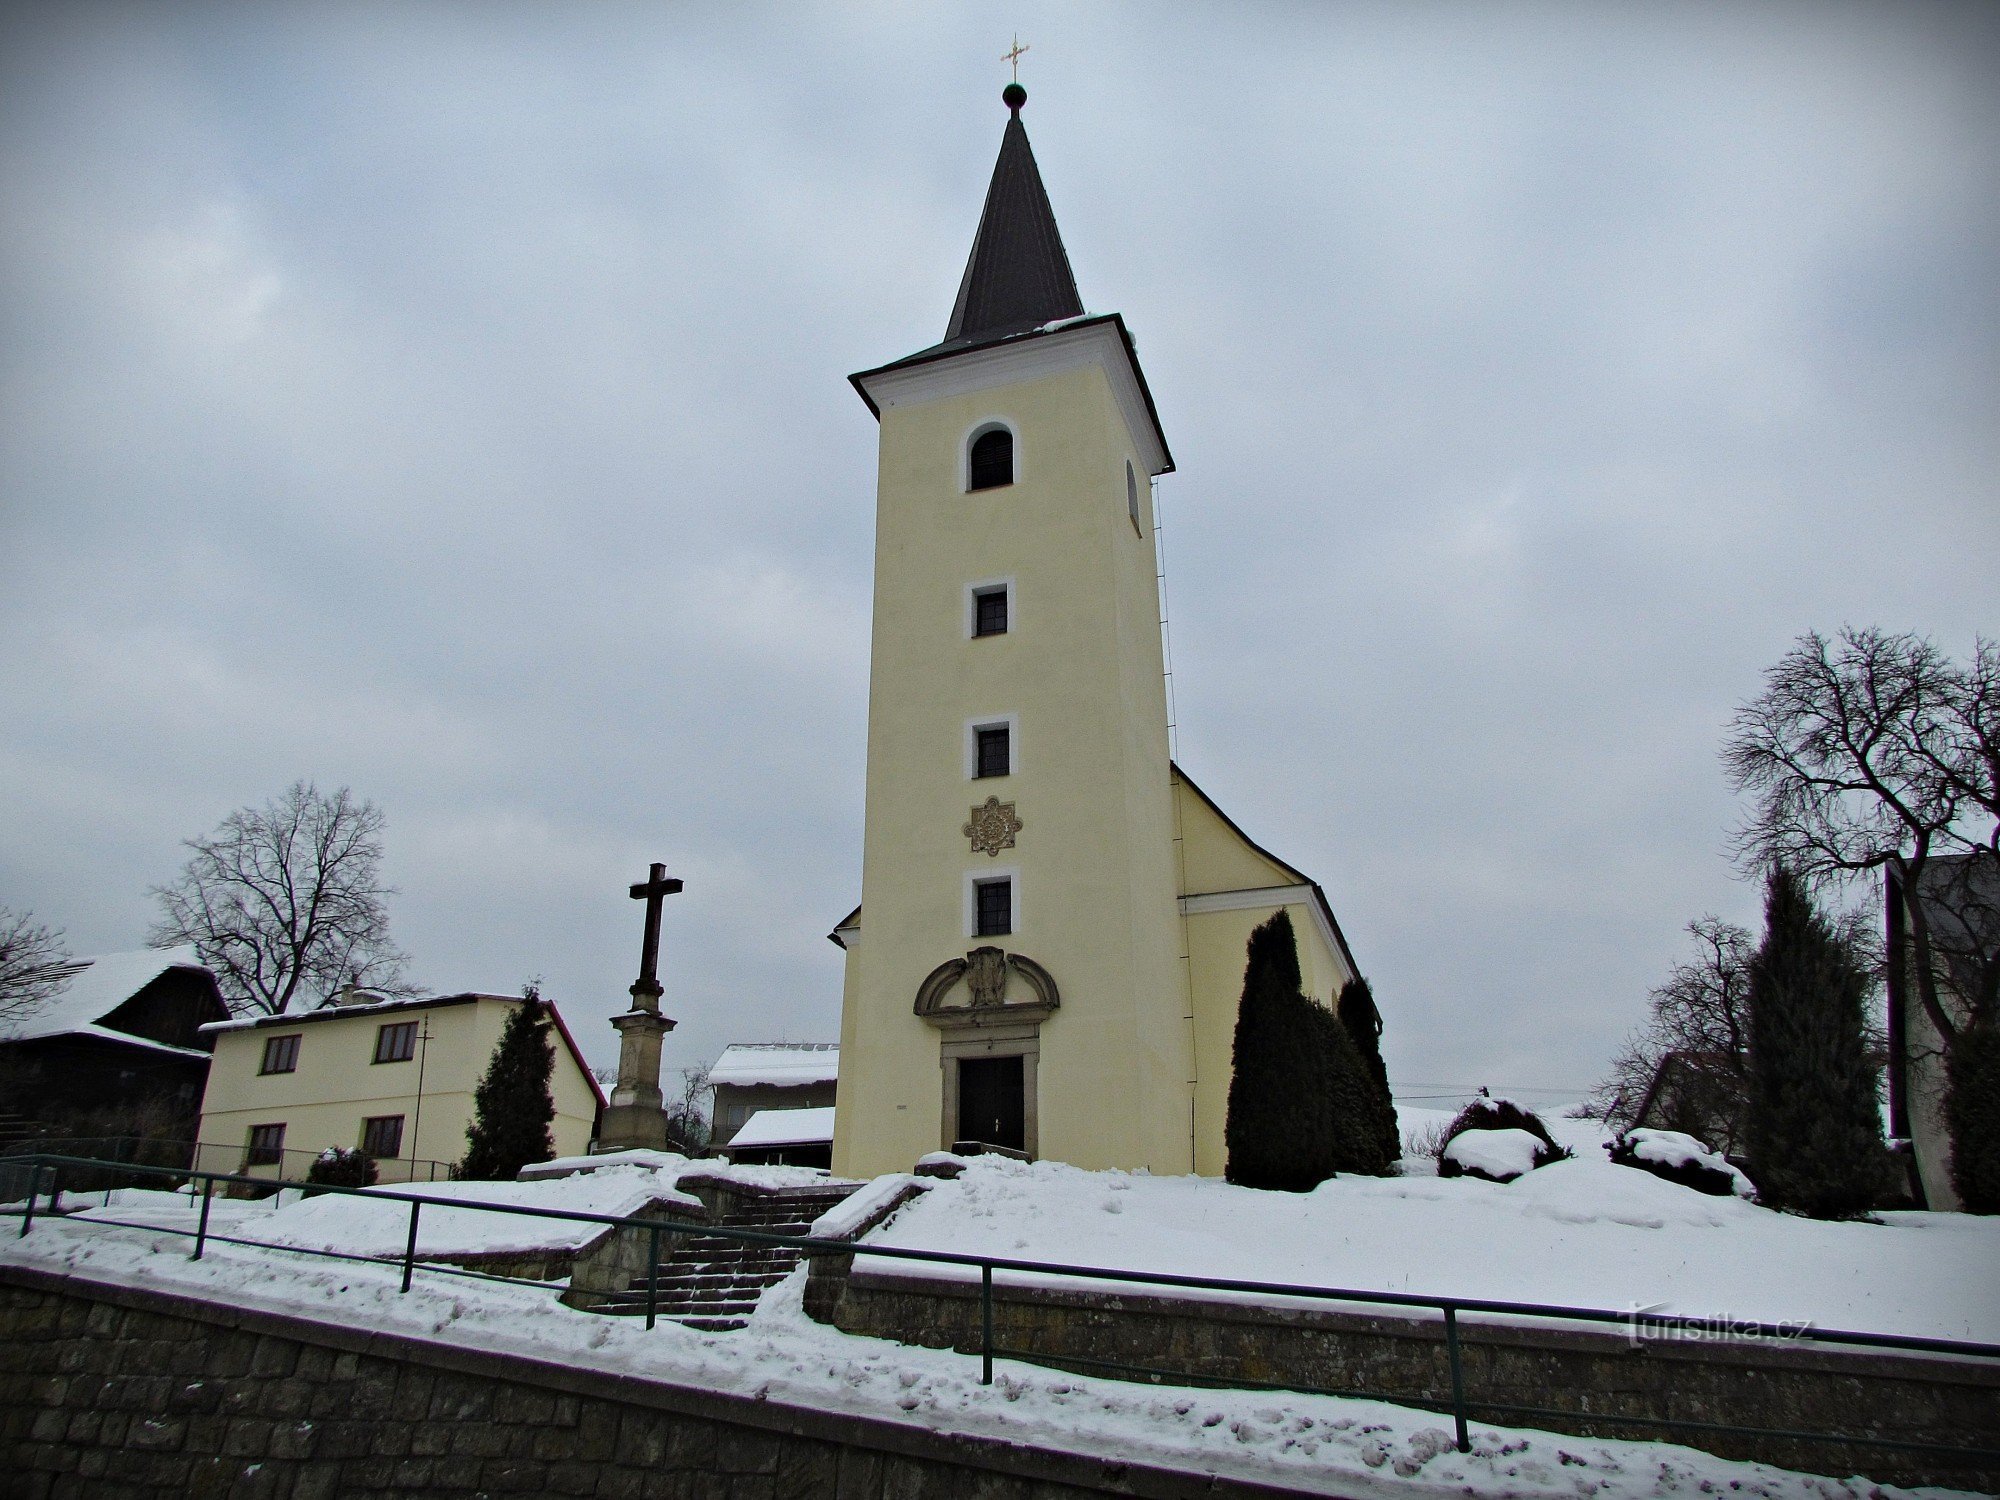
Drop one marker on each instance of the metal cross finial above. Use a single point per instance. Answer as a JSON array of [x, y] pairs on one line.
[[1014, 56]]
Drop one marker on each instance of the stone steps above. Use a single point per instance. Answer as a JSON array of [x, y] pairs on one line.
[[711, 1282]]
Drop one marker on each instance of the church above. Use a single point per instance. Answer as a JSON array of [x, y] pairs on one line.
[[1049, 949]]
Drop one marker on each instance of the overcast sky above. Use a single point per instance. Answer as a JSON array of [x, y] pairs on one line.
[[449, 401]]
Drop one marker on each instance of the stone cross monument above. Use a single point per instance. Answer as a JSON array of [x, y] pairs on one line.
[[634, 1117]]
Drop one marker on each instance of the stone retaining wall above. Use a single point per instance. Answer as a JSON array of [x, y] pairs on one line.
[[1597, 1374], [107, 1390]]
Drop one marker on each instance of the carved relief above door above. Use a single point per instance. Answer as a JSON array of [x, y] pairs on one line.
[[987, 987]]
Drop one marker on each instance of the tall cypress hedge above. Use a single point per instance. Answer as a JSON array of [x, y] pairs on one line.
[[1813, 1126], [1375, 1122], [1278, 1133], [1972, 1114], [513, 1108]]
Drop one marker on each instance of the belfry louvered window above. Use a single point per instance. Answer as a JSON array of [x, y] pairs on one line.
[[991, 462]]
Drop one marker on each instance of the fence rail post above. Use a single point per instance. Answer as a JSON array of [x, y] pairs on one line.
[[34, 1185], [201, 1229], [1457, 1376], [410, 1250], [652, 1273], [986, 1323]]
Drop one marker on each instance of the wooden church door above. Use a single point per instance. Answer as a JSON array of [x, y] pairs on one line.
[[992, 1102]]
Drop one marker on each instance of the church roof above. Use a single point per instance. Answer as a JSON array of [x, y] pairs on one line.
[[1018, 274], [1018, 285]]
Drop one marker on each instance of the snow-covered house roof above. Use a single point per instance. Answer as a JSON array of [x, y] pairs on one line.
[[97, 987], [785, 1127], [777, 1064]]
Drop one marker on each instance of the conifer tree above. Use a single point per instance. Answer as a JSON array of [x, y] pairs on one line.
[[513, 1107], [1376, 1125], [1972, 1113], [1813, 1126], [1278, 1130]]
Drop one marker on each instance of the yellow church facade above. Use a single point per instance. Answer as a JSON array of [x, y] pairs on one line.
[[1050, 943]]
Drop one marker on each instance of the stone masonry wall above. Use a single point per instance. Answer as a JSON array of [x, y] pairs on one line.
[[1583, 1379], [111, 1391]]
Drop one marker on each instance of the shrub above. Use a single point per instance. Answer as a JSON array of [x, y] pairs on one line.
[[1813, 1126], [1972, 1114], [1679, 1158], [512, 1108], [1278, 1126], [1374, 1142], [338, 1167], [1492, 1155], [1488, 1113]]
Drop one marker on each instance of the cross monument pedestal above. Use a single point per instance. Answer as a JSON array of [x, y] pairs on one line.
[[634, 1119]]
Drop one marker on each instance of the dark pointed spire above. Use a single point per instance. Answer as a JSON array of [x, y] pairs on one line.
[[1018, 275]]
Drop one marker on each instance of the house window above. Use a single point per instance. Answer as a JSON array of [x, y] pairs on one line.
[[396, 1042], [382, 1135], [991, 753], [993, 908], [989, 611], [267, 1146], [1132, 497], [990, 463], [281, 1054]]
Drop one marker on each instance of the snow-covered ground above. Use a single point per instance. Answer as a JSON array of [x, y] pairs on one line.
[[1577, 1233], [1314, 1443]]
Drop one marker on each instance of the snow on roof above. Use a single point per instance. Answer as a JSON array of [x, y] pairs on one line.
[[329, 1011], [98, 987], [785, 1127], [779, 1064]]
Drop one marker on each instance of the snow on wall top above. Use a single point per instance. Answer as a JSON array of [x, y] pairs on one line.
[[778, 1064], [99, 986], [378, 1222], [785, 1127]]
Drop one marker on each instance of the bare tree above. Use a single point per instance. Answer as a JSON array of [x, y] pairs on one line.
[[687, 1116], [1875, 749], [33, 964], [285, 901], [1688, 1067], [1694, 1048]]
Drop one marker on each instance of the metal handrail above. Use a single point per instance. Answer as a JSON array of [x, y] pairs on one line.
[[23, 1148], [987, 1265]]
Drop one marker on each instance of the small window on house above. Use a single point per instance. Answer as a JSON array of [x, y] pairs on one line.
[[382, 1136], [1132, 497], [281, 1054], [396, 1042], [992, 756], [991, 462], [994, 910], [267, 1146], [989, 611]]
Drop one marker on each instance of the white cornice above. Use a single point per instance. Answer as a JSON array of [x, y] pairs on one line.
[[1054, 353], [1268, 896]]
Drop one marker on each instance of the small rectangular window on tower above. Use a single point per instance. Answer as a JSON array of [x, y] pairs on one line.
[[993, 748], [989, 611], [995, 907]]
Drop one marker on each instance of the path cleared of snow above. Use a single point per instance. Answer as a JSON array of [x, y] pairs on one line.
[[1577, 1233], [1316, 1444]]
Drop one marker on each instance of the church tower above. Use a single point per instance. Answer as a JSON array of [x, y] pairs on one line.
[[1019, 972]]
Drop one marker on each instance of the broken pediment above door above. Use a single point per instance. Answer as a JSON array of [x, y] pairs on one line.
[[987, 987]]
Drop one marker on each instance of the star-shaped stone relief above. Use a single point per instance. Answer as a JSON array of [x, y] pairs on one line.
[[992, 827]]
